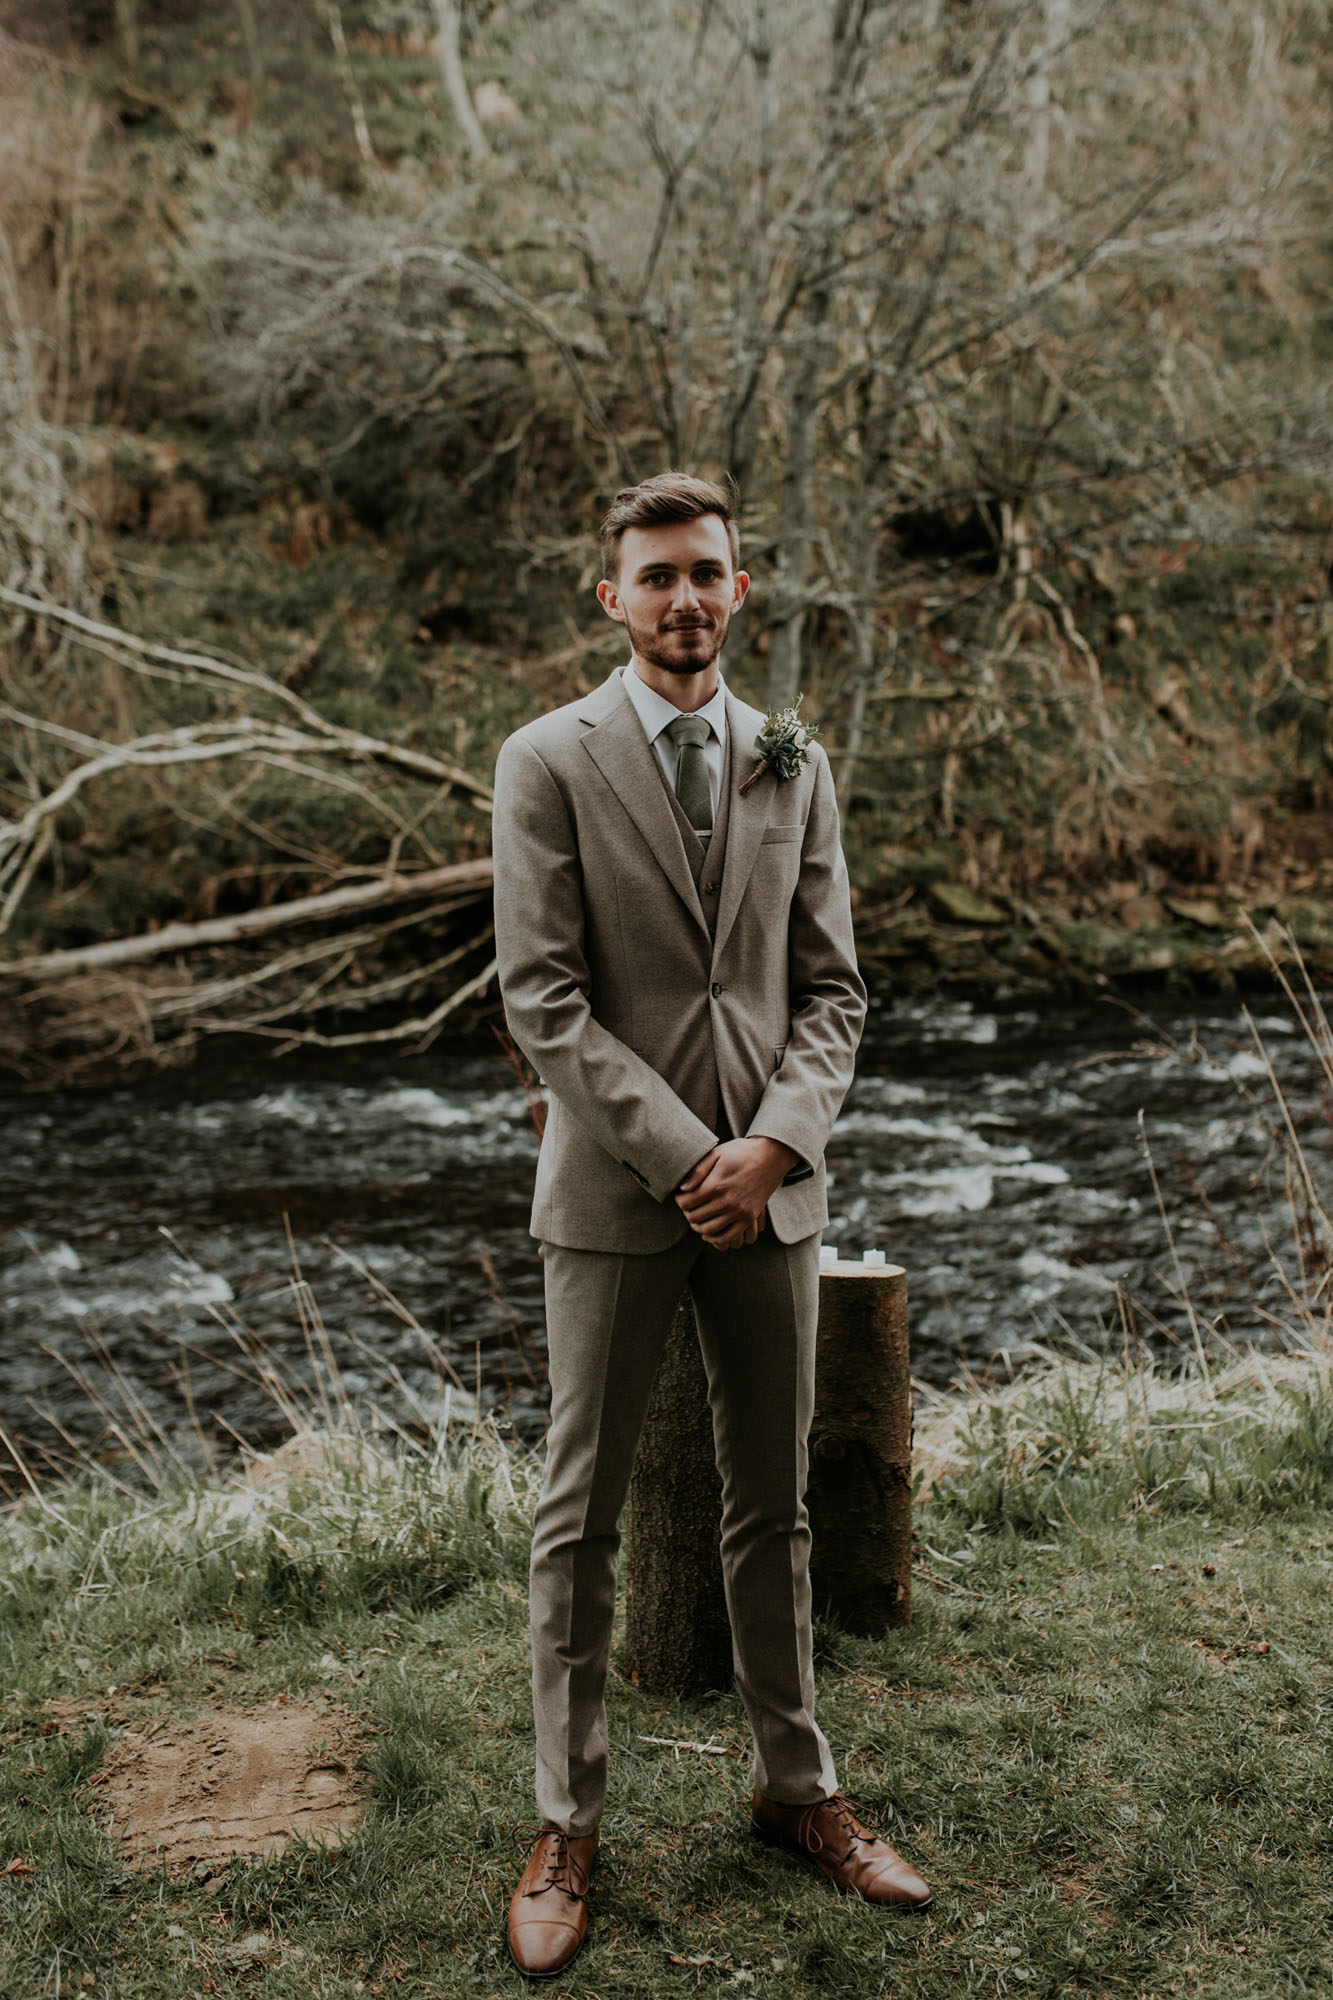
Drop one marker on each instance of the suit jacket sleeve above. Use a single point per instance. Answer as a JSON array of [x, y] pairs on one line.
[[828, 996], [544, 978]]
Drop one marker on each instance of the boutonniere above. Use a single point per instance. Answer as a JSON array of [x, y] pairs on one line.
[[782, 745]]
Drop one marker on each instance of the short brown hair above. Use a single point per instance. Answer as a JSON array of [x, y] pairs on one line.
[[667, 496]]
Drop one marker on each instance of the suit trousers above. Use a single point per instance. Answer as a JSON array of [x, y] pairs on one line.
[[608, 1317]]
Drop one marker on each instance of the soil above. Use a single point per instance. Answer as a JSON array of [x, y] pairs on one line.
[[231, 1782]]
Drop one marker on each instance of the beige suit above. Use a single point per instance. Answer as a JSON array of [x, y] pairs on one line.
[[667, 996]]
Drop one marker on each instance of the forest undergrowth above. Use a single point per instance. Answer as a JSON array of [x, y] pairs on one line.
[[325, 337]]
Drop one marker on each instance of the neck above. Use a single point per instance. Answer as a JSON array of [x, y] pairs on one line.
[[687, 692]]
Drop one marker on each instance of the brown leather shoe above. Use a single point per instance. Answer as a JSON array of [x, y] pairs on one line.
[[831, 1836], [548, 1918]]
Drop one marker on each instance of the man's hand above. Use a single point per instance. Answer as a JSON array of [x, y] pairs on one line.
[[725, 1198]]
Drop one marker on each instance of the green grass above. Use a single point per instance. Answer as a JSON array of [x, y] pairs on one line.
[[1103, 1737]]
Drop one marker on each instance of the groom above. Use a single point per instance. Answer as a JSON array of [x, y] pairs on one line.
[[676, 960]]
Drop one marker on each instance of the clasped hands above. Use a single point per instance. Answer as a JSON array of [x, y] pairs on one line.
[[725, 1197]]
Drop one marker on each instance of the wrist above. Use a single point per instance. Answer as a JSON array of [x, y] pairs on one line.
[[778, 1154]]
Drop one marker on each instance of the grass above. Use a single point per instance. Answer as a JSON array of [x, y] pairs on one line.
[[1103, 1736]]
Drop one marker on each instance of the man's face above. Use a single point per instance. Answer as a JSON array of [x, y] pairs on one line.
[[675, 593]]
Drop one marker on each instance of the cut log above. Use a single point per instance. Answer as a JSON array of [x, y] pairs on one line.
[[677, 1639], [860, 1489]]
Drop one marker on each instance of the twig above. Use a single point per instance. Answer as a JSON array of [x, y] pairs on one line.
[[403, 1031], [946, 1583], [703, 1749]]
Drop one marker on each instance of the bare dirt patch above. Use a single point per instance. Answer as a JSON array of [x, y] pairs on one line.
[[232, 1781]]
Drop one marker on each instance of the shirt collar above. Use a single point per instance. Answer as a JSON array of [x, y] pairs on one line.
[[655, 711]]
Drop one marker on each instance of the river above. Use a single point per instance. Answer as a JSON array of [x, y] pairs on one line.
[[166, 1243]]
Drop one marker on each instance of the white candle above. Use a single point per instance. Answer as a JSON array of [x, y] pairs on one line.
[[875, 1257], [828, 1256]]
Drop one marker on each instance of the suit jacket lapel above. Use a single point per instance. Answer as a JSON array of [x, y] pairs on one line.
[[617, 745], [746, 817]]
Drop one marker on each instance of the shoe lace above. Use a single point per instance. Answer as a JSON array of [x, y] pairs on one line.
[[844, 1818], [558, 1865], [557, 1861]]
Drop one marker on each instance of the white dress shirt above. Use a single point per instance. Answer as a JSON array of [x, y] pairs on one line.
[[655, 712]]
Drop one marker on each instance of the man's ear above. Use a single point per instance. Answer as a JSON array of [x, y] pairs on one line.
[[741, 581], [609, 599]]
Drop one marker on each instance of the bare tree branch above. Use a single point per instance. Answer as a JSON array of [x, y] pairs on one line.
[[462, 881]]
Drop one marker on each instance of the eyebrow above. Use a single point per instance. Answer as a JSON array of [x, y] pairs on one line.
[[702, 562]]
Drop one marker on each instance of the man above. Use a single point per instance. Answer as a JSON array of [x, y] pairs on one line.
[[676, 960]]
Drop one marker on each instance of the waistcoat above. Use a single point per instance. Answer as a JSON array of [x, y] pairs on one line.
[[706, 861]]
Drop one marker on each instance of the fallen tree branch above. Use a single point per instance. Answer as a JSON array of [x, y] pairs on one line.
[[195, 743], [466, 880], [193, 998], [427, 1029]]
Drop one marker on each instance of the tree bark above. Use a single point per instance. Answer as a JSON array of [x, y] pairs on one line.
[[677, 1639], [860, 1489]]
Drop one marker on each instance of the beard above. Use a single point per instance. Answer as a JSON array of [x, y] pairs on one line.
[[681, 650]]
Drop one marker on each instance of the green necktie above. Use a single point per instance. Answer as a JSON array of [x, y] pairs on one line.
[[689, 733]]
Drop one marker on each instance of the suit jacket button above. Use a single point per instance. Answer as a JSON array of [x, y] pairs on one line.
[[716, 989], [710, 888]]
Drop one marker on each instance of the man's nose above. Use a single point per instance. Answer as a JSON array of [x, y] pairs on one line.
[[685, 597]]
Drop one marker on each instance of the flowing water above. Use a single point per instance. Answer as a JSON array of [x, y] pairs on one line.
[[157, 1237]]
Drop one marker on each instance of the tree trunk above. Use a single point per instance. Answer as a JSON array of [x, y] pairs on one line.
[[355, 102], [127, 30], [752, 338], [810, 345], [677, 1638], [245, 10], [1037, 152], [455, 81], [860, 1489], [797, 521]]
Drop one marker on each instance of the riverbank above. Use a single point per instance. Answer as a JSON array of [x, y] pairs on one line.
[[937, 937], [947, 937], [1099, 1736]]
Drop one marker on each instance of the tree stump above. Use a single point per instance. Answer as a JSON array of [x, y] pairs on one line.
[[860, 1489], [677, 1639]]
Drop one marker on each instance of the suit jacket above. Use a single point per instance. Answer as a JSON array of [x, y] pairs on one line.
[[642, 1025]]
